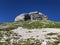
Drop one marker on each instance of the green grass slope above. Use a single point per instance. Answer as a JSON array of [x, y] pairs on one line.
[[41, 24], [31, 24]]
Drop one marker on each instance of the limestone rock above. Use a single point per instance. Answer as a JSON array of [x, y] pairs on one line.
[[20, 17], [31, 16]]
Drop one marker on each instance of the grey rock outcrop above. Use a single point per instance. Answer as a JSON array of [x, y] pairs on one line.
[[31, 16]]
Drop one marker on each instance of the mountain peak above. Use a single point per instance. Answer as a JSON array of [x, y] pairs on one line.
[[31, 16]]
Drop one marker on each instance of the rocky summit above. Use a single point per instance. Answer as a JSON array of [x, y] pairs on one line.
[[31, 16], [32, 28]]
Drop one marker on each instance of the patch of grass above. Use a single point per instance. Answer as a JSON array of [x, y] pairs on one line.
[[52, 33], [39, 24], [48, 38], [2, 43], [31, 24]]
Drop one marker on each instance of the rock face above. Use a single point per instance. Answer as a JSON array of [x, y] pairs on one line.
[[31, 16]]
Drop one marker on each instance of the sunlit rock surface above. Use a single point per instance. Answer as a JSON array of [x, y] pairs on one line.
[[20, 36]]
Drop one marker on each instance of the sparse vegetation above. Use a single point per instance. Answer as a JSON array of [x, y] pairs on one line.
[[51, 33], [30, 41], [32, 24], [16, 39]]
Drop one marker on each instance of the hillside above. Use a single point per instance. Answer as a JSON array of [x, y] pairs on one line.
[[29, 25], [38, 32]]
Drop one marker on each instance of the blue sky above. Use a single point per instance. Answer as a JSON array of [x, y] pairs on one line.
[[9, 9]]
